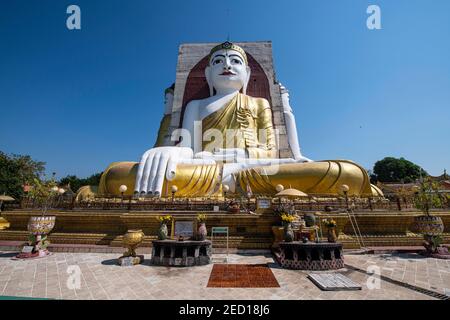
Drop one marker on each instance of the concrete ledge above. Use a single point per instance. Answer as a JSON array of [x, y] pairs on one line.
[[82, 248]]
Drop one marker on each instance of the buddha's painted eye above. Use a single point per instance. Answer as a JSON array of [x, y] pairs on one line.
[[217, 61], [236, 61]]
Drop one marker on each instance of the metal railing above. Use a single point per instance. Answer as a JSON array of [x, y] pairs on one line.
[[203, 204]]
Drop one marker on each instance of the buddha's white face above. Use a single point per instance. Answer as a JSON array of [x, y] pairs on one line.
[[227, 71]]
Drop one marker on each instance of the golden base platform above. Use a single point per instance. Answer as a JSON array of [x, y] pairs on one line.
[[247, 231]]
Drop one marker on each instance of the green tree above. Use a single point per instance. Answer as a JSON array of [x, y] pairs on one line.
[[76, 183], [396, 170], [16, 171], [42, 192], [427, 196]]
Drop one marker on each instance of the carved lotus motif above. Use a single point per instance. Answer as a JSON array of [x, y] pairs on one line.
[[41, 225], [428, 225]]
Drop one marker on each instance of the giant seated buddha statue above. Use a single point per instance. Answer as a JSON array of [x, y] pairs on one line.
[[229, 139]]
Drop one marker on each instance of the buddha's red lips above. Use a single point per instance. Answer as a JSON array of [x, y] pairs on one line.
[[227, 73]]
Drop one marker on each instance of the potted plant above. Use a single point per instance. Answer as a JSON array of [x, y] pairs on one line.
[[431, 227], [287, 224], [331, 229], [233, 207], [43, 193], [202, 231], [163, 221], [278, 229]]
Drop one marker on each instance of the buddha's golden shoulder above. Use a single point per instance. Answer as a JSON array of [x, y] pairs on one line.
[[259, 104]]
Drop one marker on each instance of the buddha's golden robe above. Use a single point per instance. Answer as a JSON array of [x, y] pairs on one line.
[[248, 119], [245, 123], [163, 131]]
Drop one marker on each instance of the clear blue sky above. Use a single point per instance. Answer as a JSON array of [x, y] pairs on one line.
[[79, 100]]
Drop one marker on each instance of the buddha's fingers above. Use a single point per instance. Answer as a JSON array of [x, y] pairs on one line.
[[305, 159], [153, 171], [159, 180], [148, 166], [140, 172]]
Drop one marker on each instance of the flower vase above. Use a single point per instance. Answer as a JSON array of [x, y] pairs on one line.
[[162, 232], [428, 225], [288, 232], [39, 227], [202, 232], [332, 234]]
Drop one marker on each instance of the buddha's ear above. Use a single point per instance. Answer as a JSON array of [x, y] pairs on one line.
[[208, 80], [244, 89]]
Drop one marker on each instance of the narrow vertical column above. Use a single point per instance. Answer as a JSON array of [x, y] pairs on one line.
[[197, 255], [308, 255], [161, 254], [153, 253], [197, 252], [321, 255], [295, 255], [184, 260]]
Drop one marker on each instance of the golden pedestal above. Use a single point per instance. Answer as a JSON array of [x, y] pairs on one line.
[[247, 231]]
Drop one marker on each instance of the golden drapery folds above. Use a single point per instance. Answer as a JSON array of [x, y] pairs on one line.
[[245, 123], [196, 181], [321, 178], [163, 130]]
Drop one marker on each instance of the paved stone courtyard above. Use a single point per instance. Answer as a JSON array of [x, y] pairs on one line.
[[100, 278]]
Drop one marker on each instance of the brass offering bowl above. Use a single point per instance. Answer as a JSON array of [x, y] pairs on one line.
[[131, 240]]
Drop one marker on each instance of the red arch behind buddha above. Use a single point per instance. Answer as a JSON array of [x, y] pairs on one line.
[[197, 88]]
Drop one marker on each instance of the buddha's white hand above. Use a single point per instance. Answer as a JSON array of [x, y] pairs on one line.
[[204, 155], [301, 158], [155, 164]]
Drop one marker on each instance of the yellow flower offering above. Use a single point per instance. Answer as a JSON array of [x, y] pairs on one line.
[[201, 217], [164, 219], [330, 223], [287, 218]]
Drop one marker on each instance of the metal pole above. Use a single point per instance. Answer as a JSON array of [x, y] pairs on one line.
[[227, 245], [346, 200]]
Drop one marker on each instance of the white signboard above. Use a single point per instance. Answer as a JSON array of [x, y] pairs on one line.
[[127, 261], [27, 249], [184, 228], [264, 203]]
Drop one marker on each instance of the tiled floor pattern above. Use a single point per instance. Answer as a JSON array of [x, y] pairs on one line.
[[97, 276], [411, 268]]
